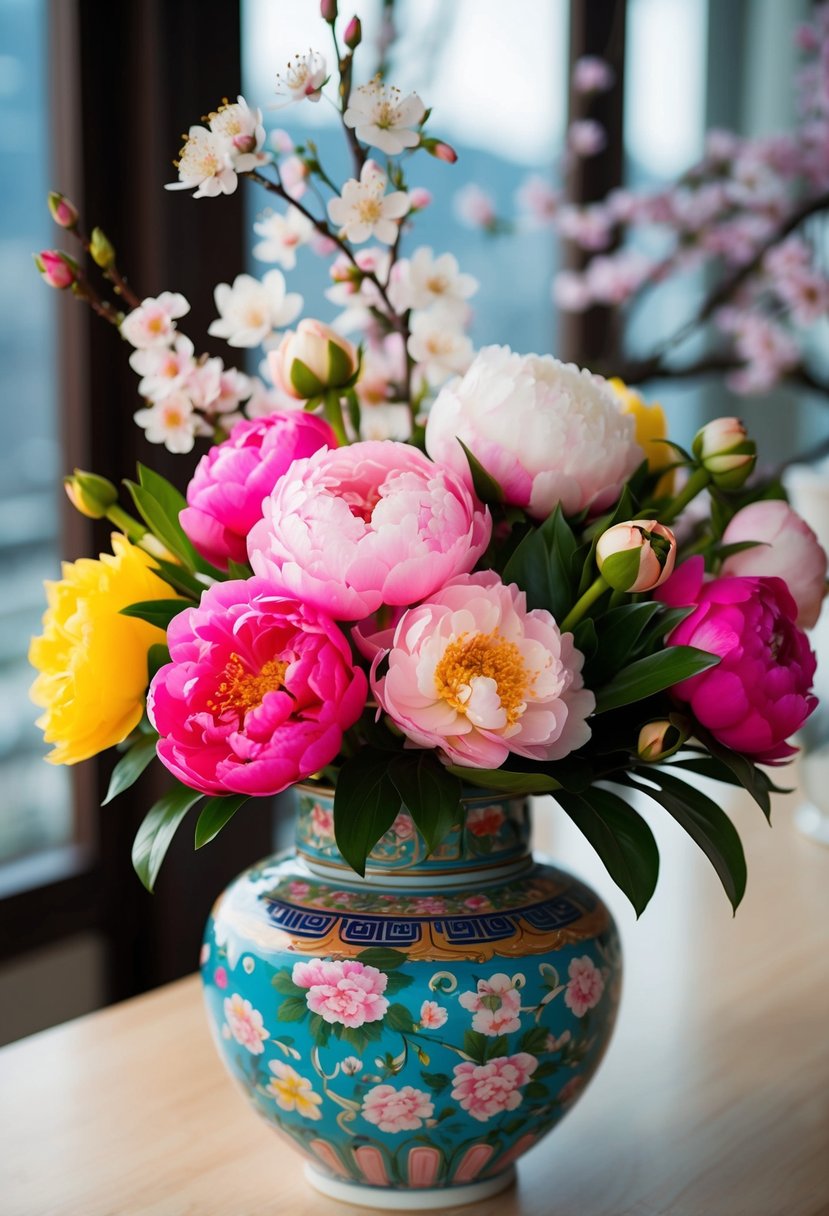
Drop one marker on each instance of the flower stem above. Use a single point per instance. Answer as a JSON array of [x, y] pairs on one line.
[[698, 480], [333, 410], [593, 593], [129, 526]]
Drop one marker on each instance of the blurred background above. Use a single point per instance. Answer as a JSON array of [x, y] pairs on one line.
[[93, 100]]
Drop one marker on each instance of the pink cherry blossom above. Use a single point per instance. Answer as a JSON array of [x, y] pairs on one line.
[[475, 207], [346, 993], [153, 323], [245, 1024], [496, 1004], [370, 524], [397, 1110], [585, 986], [433, 1015], [485, 1090]]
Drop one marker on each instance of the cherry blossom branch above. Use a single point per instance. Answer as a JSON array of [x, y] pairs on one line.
[[345, 64]]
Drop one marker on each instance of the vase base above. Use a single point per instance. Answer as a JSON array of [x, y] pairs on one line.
[[390, 1199]]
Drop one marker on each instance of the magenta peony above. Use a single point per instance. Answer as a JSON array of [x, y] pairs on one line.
[[759, 693], [789, 550], [475, 674], [258, 693], [231, 481], [370, 524]]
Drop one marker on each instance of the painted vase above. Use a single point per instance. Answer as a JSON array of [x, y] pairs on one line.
[[414, 1032]]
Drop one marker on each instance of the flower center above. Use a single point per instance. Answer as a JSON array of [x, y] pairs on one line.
[[386, 115], [370, 209], [437, 284], [487, 656], [241, 691]]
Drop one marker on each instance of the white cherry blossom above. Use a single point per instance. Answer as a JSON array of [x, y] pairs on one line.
[[282, 235], [163, 369], [170, 421], [437, 345], [205, 163], [302, 78], [364, 209], [251, 309], [244, 132], [153, 323], [424, 280], [385, 119]]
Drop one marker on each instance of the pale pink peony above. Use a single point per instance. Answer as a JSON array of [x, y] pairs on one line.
[[245, 1024], [397, 1110], [370, 524], [258, 693], [548, 432], [224, 498], [789, 550], [346, 993], [433, 1015], [585, 986], [485, 1090], [496, 1004], [473, 673]]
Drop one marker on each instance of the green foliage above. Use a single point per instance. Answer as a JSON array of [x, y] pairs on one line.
[[366, 804], [653, 674], [622, 839], [545, 565], [292, 1009], [157, 830], [215, 813], [486, 487], [156, 612], [429, 792], [131, 765]]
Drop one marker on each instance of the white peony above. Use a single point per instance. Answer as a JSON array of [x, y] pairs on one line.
[[547, 431], [251, 310]]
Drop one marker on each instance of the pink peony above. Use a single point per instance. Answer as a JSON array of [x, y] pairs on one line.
[[759, 693], [496, 1004], [433, 1015], [245, 1024], [346, 993], [397, 1110], [370, 524], [790, 550], [258, 693], [490, 1089], [231, 481], [585, 986], [475, 674], [548, 432], [485, 820]]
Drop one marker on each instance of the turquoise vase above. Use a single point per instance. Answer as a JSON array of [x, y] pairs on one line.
[[414, 1032]]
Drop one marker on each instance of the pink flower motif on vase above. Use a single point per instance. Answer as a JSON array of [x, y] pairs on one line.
[[585, 987], [478, 903], [293, 1092], [433, 1015], [496, 1005], [220, 977], [397, 1110], [429, 905], [322, 821], [485, 820], [486, 1090], [245, 1024], [346, 993], [403, 827], [298, 890]]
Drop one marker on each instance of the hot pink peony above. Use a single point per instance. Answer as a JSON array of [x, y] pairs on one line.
[[585, 986], [258, 693], [370, 524], [475, 674], [231, 481], [397, 1110], [485, 1090], [759, 693], [346, 993], [789, 550]]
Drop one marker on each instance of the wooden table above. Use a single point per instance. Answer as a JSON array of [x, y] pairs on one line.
[[712, 1101]]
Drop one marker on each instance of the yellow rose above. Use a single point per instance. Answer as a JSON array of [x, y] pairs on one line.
[[651, 425], [93, 661]]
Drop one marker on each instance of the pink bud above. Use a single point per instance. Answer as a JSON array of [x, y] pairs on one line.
[[328, 11], [726, 452], [56, 268], [64, 213], [638, 555], [444, 152], [244, 143], [660, 739], [419, 198], [353, 34], [312, 359]]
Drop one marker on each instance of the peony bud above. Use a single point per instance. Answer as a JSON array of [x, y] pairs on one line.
[[636, 556], [353, 34], [725, 451], [56, 268], [328, 11], [440, 150], [312, 359], [660, 739], [101, 249], [90, 494], [64, 213]]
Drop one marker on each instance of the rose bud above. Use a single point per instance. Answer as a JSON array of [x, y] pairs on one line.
[[64, 213], [725, 451], [660, 739], [636, 556], [353, 34], [101, 249], [90, 494], [56, 268], [311, 359]]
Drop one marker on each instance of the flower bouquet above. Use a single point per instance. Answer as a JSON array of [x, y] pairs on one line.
[[419, 583]]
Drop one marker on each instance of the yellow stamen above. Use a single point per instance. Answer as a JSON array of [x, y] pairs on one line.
[[242, 690], [488, 655]]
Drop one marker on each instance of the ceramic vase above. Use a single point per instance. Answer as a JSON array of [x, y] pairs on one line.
[[414, 1032]]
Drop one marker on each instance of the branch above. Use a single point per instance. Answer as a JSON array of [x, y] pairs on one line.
[[344, 66]]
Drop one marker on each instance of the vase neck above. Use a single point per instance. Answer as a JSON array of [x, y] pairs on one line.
[[493, 842]]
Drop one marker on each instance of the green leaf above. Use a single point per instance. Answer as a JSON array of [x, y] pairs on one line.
[[707, 825], [179, 579], [130, 767], [382, 957], [475, 1045], [396, 981], [157, 657], [534, 1040], [319, 1029], [292, 1009], [283, 983], [542, 565], [397, 1017], [536, 1089], [156, 612], [621, 838], [366, 804], [438, 1081], [486, 487], [621, 629], [238, 570], [499, 1046], [502, 781], [650, 675], [621, 570], [157, 830], [160, 505], [751, 778], [430, 793], [215, 813]]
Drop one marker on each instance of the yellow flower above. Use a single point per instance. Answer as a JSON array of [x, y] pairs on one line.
[[293, 1092], [650, 426], [93, 661]]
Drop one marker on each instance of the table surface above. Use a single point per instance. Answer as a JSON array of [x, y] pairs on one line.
[[713, 1099]]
